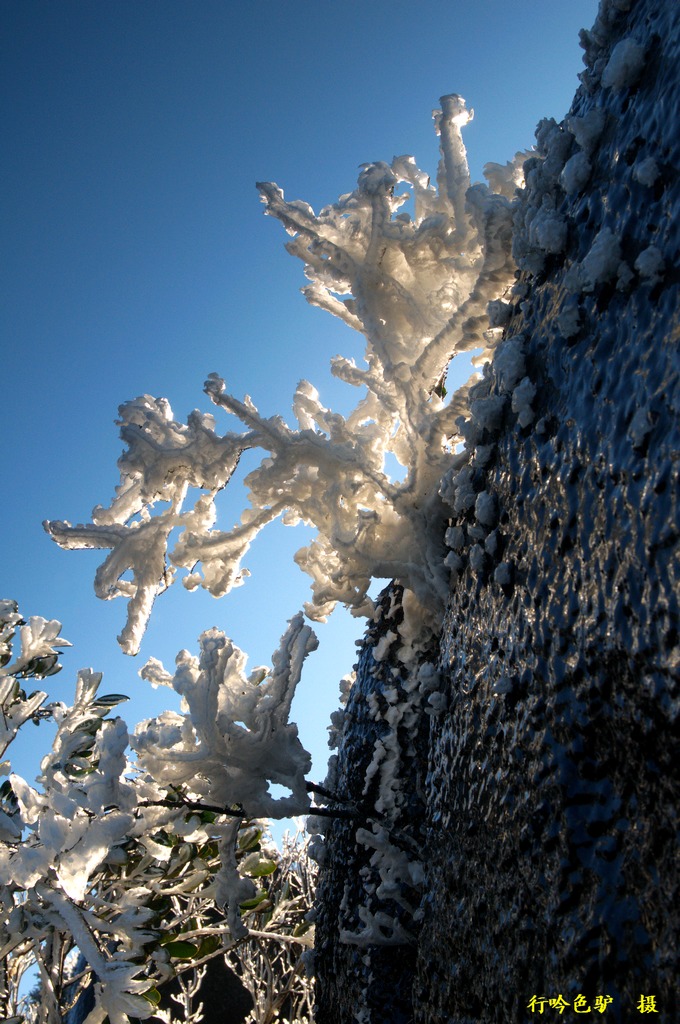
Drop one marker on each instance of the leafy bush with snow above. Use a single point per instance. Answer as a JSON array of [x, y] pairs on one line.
[[100, 859]]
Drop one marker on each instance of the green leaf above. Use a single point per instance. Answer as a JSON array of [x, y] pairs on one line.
[[255, 901], [152, 995], [110, 700], [255, 865], [209, 945], [89, 725], [45, 666], [181, 950], [249, 838]]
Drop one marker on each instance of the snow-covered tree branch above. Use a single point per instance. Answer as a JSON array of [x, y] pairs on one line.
[[417, 287]]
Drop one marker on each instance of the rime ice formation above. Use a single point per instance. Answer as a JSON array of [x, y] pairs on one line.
[[235, 737], [537, 788], [418, 290]]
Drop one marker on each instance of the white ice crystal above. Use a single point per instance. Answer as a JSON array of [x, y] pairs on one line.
[[486, 508], [569, 319], [418, 290], [503, 574], [602, 262], [548, 230], [575, 173], [646, 171], [624, 66], [509, 363], [650, 264], [522, 397], [234, 738], [587, 128]]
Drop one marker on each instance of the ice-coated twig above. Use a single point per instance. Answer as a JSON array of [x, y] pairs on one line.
[[417, 287], [235, 737]]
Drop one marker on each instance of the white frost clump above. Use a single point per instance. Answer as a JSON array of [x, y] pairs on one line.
[[522, 397], [455, 537], [503, 574], [646, 171], [485, 509], [587, 129], [499, 313], [640, 427], [625, 65], [548, 231], [235, 737], [418, 290], [569, 319], [602, 263], [576, 173], [509, 363], [650, 264], [487, 414]]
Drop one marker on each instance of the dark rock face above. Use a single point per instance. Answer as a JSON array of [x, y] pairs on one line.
[[375, 978], [547, 819]]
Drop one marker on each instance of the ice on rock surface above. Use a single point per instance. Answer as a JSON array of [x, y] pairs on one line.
[[603, 261], [587, 128], [646, 171], [486, 508], [553, 612], [509, 363], [569, 318], [522, 397], [575, 173], [650, 264], [625, 65]]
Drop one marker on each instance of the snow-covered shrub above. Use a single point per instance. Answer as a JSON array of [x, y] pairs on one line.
[[124, 875], [418, 290], [235, 736]]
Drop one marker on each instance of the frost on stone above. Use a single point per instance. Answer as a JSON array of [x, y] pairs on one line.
[[625, 65], [569, 318], [576, 173], [234, 737], [587, 129], [522, 397], [417, 287], [650, 264], [602, 263], [646, 171], [510, 363]]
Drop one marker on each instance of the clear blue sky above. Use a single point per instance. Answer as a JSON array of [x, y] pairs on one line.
[[137, 260]]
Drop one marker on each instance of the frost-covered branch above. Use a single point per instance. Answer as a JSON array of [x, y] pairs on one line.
[[126, 867], [235, 737], [417, 287]]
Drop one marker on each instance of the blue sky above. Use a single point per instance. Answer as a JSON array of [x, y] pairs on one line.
[[137, 259]]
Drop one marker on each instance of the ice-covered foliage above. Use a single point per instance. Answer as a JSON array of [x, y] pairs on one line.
[[418, 288], [235, 736], [125, 866]]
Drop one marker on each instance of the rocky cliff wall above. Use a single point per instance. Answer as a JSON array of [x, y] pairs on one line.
[[541, 785]]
